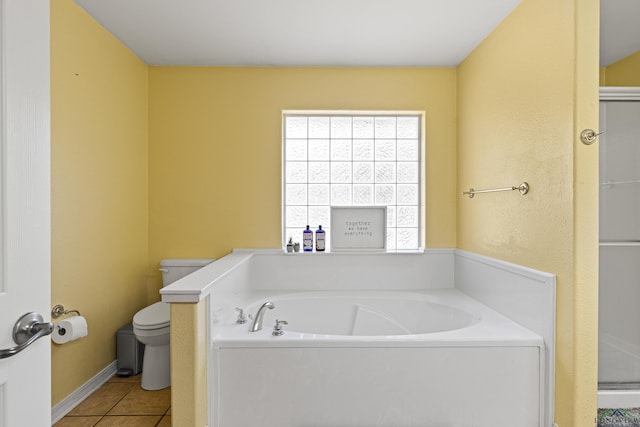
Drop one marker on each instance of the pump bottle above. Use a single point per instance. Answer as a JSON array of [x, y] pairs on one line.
[[307, 240], [320, 239]]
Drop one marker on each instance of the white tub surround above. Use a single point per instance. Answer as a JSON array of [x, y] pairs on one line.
[[199, 284], [398, 339], [524, 295], [388, 387], [275, 270]]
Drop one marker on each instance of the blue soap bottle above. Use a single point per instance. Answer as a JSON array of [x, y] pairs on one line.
[[320, 239], [307, 240]]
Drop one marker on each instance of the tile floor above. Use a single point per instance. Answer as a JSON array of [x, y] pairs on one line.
[[122, 402]]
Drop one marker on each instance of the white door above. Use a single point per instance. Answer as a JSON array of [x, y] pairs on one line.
[[25, 378]]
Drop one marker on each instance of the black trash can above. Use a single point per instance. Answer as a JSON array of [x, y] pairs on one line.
[[129, 351]]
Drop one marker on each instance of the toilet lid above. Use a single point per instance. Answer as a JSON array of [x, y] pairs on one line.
[[153, 317]]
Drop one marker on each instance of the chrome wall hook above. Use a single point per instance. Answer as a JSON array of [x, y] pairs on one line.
[[589, 136]]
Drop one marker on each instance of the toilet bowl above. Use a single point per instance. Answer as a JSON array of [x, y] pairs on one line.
[[151, 326]]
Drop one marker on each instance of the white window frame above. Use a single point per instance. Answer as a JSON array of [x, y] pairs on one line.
[[366, 113]]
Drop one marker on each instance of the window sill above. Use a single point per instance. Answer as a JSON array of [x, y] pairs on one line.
[[360, 252]]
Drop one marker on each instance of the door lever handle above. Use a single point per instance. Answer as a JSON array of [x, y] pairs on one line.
[[27, 329]]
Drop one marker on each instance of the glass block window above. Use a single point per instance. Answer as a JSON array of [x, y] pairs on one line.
[[353, 160]]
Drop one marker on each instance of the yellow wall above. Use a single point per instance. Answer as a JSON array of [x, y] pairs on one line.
[[522, 96], [215, 148], [99, 189], [625, 72]]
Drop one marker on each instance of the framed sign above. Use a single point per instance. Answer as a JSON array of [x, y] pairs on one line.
[[358, 228]]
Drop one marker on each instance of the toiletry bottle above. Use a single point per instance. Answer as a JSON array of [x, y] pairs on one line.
[[307, 240], [320, 235]]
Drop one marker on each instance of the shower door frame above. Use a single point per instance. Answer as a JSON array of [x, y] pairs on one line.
[[619, 398]]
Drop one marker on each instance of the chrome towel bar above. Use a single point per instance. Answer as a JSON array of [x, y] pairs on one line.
[[523, 188]]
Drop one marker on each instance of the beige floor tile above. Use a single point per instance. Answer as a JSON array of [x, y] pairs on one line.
[[131, 379], [133, 421], [165, 421], [77, 421], [103, 399], [143, 402]]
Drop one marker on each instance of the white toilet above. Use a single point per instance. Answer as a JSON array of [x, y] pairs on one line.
[[151, 326]]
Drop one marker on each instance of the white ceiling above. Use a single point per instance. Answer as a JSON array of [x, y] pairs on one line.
[[300, 32], [328, 32], [619, 29]]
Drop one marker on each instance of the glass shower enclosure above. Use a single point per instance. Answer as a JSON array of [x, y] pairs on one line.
[[619, 280]]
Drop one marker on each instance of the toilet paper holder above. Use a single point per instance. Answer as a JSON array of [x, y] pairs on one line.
[[58, 310]]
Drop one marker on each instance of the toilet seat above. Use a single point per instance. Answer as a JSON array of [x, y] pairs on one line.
[[155, 316]]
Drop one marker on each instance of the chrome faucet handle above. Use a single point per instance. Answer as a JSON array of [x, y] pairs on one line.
[[277, 328], [242, 319]]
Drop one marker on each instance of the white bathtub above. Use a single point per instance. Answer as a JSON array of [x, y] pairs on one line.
[[368, 314], [374, 358], [423, 319], [472, 366]]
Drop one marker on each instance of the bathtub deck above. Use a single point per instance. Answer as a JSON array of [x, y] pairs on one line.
[[492, 329]]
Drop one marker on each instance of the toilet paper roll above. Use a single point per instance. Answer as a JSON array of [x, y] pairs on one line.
[[69, 329]]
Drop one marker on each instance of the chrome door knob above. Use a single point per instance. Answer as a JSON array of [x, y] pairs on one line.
[[27, 329]]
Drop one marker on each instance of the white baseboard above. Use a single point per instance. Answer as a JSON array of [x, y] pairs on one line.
[[74, 399]]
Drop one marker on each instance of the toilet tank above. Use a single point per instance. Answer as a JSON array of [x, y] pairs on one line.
[[176, 268]]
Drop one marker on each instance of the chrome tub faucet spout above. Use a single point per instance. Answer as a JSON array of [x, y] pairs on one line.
[[256, 325]]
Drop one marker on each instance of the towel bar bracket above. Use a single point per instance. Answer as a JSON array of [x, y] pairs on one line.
[[58, 310]]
